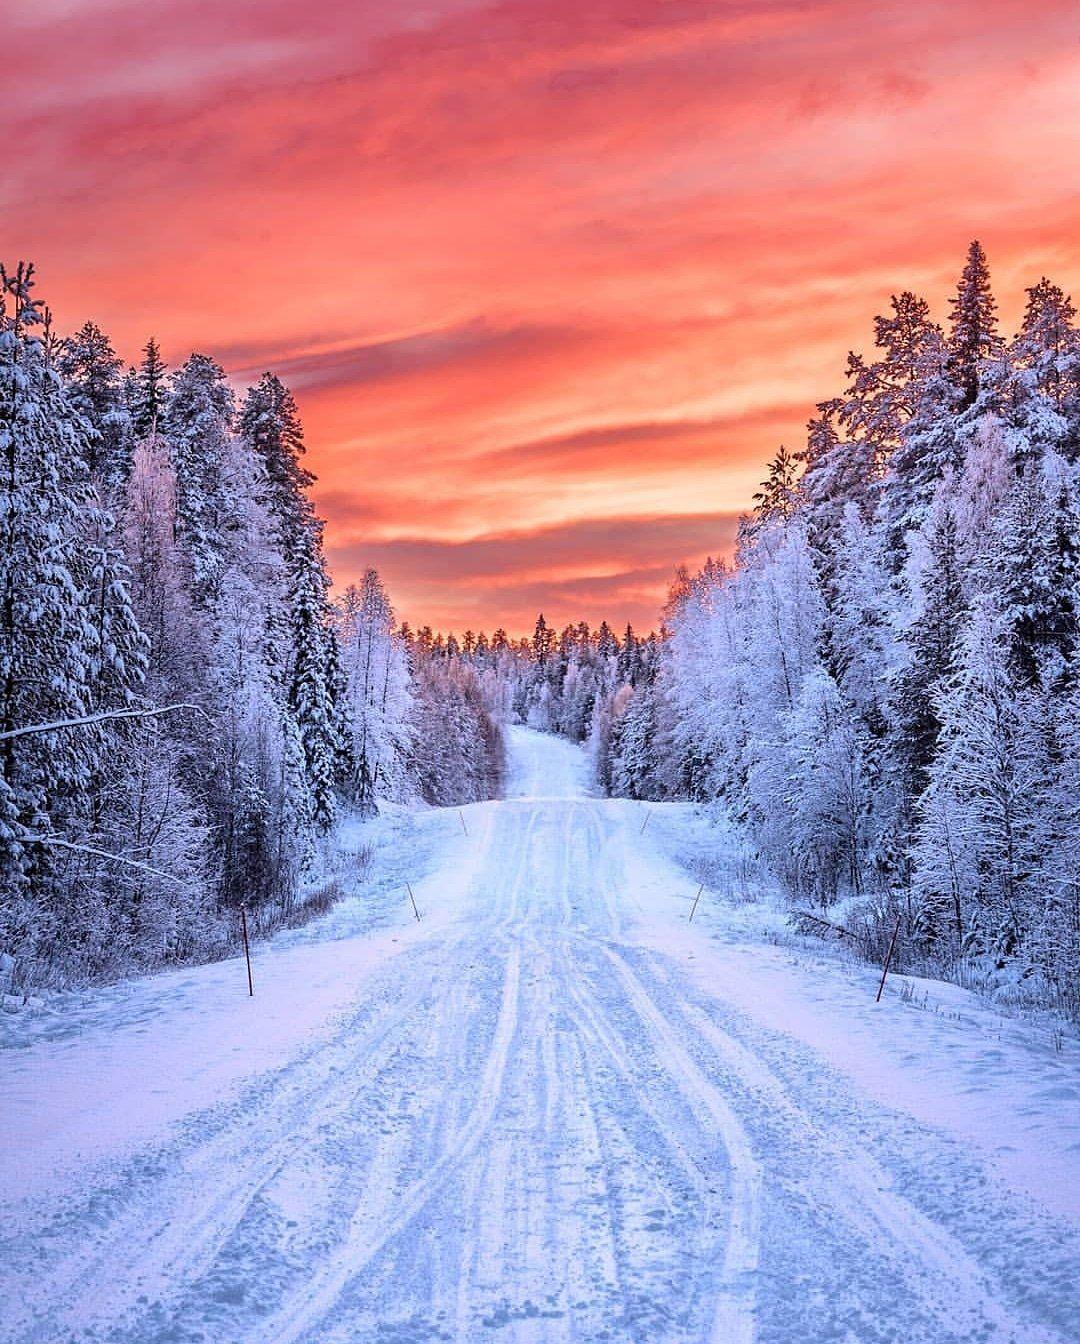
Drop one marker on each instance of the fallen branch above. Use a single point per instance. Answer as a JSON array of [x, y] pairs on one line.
[[104, 717], [29, 838], [814, 919]]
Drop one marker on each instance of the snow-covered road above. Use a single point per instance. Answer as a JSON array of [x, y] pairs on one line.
[[550, 1111]]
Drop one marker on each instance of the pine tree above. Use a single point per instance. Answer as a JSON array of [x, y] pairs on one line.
[[1034, 573], [310, 698], [50, 650], [931, 642], [633, 757], [606, 643], [881, 396], [837, 471], [628, 663], [270, 423], [987, 789], [776, 498], [543, 641], [94, 376], [198, 424], [148, 401], [829, 784], [973, 334], [928, 448], [1047, 353]]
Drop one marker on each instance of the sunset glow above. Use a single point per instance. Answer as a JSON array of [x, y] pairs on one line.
[[550, 282]]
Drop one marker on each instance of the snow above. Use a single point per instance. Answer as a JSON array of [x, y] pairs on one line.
[[552, 1110]]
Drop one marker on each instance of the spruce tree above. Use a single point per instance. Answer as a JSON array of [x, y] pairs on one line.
[[270, 424], [198, 424], [973, 335], [150, 392], [95, 379], [543, 641], [48, 647]]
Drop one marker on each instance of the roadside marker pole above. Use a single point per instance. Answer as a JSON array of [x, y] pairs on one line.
[[247, 951], [645, 823], [888, 958], [413, 899], [463, 826], [696, 899]]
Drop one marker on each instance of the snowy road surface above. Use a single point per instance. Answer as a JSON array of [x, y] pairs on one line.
[[553, 1110]]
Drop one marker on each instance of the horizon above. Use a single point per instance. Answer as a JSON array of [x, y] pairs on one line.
[[550, 288]]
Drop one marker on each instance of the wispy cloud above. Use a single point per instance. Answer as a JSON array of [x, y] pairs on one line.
[[529, 262]]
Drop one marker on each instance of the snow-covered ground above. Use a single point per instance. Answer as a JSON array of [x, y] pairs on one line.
[[551, 1110]]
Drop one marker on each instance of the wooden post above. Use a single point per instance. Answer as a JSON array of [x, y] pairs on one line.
[[463, 826], [413, 899], [696, 899], [645, 823], [247, 950], [888, 958]]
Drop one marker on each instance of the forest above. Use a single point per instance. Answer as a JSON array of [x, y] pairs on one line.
[[184, 708], [882, 691], [879, 691]]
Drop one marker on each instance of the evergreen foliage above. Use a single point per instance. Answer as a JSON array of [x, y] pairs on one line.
[[884, 690], [158, 549]]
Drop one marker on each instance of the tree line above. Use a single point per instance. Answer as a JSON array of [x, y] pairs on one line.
[[578, 683], [883, 689], [183, 706]]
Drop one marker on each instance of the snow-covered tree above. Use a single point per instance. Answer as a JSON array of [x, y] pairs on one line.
[[198, 423], [884, 690], [378, 696], [149, 392], [94, 376], [980, 852], [973, 333]]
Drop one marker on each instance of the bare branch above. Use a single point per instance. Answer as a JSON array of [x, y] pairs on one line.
[[105, 716], [29, 838], [815, 919]]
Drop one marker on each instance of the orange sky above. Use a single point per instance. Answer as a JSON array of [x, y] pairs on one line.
[[550, 281]]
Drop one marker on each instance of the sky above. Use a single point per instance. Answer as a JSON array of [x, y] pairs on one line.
[[550, 281]]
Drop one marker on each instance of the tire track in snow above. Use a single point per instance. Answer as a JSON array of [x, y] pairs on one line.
[[373, 1225], [733, 1322], [860, 1192], [205, 1198]]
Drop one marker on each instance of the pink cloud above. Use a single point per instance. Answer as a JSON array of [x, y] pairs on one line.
[[531, 263]]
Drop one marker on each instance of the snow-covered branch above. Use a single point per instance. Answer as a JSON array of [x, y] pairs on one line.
[[31, 838], [105, 716]]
